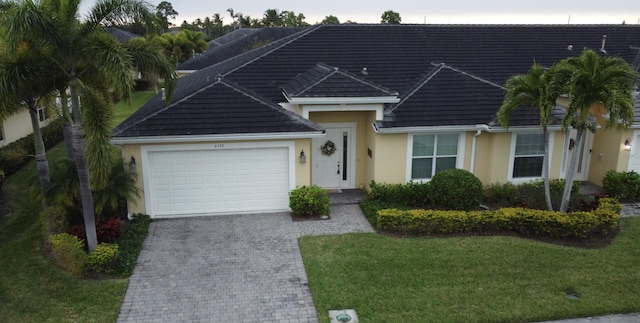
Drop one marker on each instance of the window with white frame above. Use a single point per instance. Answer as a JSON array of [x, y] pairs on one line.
[[528, 155], [42, 114], [433, 153]]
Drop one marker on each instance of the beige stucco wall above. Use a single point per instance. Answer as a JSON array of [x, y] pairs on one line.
[[302, 171], [390, 156], [608, 149], [18, 126]]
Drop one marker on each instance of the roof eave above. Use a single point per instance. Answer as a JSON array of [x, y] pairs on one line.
[[344, 100], [216, 137]]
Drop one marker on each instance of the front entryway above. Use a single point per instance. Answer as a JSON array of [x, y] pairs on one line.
[[333, 159], [582, 171]]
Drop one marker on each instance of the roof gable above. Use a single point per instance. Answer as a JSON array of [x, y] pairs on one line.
[[446, 96], [222, 107]]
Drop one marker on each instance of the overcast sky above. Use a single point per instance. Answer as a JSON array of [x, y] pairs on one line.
[[421, 11]]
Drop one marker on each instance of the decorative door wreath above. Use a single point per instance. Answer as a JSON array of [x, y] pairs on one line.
[[328, 148]]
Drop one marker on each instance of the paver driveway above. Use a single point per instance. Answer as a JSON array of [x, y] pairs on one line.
[[232, 268]]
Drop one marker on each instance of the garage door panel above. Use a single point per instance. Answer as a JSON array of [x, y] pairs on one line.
[[218, 181]]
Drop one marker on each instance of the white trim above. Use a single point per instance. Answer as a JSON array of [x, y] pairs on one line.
[[512, 151], [225, 137], [351, 181], [634, 142], [379, 109], [145, 150], [462, 137], [344, 100], [425, 130], [186, 71]]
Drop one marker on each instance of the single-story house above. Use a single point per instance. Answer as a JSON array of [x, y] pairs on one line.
[[18, 125], [341, 105], [235, 43]]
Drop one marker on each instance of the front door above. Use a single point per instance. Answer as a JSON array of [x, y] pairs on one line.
[[582, 172], [333, 163]]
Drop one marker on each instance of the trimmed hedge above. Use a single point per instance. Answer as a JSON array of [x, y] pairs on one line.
[[52, 134], [456, 189], [528, 222], [129, 244], [309, 201], [624, 186]]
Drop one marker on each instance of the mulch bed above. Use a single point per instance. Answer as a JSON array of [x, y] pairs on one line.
[[297, 218], [591, 243]]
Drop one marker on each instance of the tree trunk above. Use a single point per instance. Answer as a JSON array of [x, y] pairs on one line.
[[66, 130], [41, 157], [79, 156], [85, 187], [571, 170], [545, 170]]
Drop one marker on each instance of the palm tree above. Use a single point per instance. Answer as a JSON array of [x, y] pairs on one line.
[[588, 80], [531, 89], [95, 66]]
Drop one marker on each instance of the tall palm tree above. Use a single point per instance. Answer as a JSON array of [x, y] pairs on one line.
[[95, 66], [532, 89], [588, 80]]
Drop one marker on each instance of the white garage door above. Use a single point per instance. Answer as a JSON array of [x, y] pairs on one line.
[[634, 159], [215, 181]]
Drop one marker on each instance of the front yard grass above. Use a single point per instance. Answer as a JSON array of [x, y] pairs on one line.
[[471, 279], [32, 288]]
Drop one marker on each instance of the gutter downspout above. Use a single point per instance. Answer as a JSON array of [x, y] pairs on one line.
[[480, 128]]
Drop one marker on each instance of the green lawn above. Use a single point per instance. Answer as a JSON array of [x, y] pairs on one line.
[[32, 289], [471, 279]]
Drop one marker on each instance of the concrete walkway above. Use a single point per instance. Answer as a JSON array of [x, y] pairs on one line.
[[232, 268]]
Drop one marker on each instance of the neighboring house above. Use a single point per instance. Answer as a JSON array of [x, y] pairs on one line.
[[18, 125], [235, 43], [397, 102]]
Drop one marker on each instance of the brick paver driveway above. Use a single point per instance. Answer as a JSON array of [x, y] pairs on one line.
[[232, 268]]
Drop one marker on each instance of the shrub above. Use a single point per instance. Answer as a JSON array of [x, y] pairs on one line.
[[134, 231], [17, 154], [309, 201], [624, 186], [499, 194], [106, 230], [411, 194], [53, 220], [456, 189], [101, 259], [531, 195], [68, 252], [528, 222], [1, 177]]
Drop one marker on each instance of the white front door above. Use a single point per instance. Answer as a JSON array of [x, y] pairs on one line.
[[582, 172], [334, 169]]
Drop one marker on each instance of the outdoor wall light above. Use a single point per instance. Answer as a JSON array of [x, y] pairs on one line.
[[303, 158], [627, 145], [132, 163]]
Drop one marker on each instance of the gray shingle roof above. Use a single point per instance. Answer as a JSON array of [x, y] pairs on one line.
[[222, 107], [465, 91], [236, 43]]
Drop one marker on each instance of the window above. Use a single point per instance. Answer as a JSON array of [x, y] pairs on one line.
[[433, 153], [42, 115], [528, 155]]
